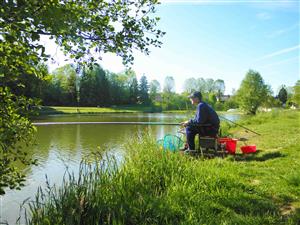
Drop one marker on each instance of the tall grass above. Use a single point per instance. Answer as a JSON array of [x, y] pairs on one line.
[[153, 187], [158, 187]]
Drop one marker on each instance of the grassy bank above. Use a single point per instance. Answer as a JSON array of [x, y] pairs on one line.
[[48, 110], [155, 187]]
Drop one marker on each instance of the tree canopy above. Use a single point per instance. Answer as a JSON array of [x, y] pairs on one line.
[[253, 92], [283, 95], [206, 86], [84, 29], [169, 84], [144, 88], [296, 96]]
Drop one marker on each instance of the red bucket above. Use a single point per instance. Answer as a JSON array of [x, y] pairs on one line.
[[230, 144], [248, 149]]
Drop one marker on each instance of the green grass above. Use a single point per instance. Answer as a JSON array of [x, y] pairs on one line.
[[156, 187], [47, 110], [83, 110]]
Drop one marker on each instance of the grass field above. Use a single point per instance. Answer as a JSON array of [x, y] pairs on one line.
[[83, 110], [45, 110], [156, 187]]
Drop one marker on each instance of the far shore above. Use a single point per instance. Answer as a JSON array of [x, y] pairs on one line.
[[52, 110]]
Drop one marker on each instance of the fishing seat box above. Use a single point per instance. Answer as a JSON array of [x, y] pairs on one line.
[[210, 146]]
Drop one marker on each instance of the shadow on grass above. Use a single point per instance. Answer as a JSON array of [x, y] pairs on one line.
[[46, 110], [296, 217], [258, 157]]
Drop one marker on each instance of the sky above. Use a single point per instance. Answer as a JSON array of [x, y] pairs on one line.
[[220, 39]]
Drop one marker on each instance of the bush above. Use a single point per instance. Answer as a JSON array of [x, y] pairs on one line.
[[219, 106]]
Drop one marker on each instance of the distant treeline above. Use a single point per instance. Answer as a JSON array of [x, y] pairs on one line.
[[94, 86], [66, 86]]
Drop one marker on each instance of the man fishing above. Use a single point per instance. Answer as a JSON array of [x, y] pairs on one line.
[[205, 123]]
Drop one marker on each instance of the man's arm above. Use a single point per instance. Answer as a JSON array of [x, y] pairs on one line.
[[201, 115]]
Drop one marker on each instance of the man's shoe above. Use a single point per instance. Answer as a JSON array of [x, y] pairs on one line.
[[184, 148]]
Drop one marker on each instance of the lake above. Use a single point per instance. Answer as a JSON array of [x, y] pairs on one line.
[[58, 147]]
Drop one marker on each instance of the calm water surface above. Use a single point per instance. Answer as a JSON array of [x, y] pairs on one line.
[[60, 146]]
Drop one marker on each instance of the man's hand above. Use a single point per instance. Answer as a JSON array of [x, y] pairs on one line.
[[185, 123]]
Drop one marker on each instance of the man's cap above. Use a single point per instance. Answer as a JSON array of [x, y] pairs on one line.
[[196, 94]]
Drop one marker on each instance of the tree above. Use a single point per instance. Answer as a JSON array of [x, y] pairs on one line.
[[190, 85], [94, 87], [64, 78], [133, 87], [83, 30], [271, 101], [212, 99], [220, 87], [102, 86], [296, 95], [210, 85], [168, 92], [252, 92], [283, 95], [143, 90], [201, 83], [15, 130], [154, 89], [115, 88], [169, 84]]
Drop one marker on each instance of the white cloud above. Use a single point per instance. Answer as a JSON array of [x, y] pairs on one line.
[[281, 62], [280, 52], [263, 16], [283, 31]]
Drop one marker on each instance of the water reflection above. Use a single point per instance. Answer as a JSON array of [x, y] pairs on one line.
[[61, 146]]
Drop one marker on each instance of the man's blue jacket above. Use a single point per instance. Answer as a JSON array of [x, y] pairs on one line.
[[205, 114]]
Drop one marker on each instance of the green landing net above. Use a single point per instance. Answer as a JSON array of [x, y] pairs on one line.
[[171, 142]]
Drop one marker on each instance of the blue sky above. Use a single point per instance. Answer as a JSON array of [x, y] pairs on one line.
[[222, 40]]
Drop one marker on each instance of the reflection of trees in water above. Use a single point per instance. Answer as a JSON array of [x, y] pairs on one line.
[[159, 131], [70, 141]]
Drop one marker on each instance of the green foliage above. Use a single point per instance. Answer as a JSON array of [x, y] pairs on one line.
[[94, 87], [212, 90], [283, 95], [61, 87], [15, 131], [84, 30], [296, 95], [174, 101], [80, 27], [190, 85], [133, 87], [231, 103], [205, 86], [252, 92], [219, 87], [154, 90], [143, 91], [271, 102], [212, 99], [219, 106], [169, 85]]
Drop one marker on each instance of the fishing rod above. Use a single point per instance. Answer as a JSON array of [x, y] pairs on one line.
[[239, 125], [127, 123], [106, 123]]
